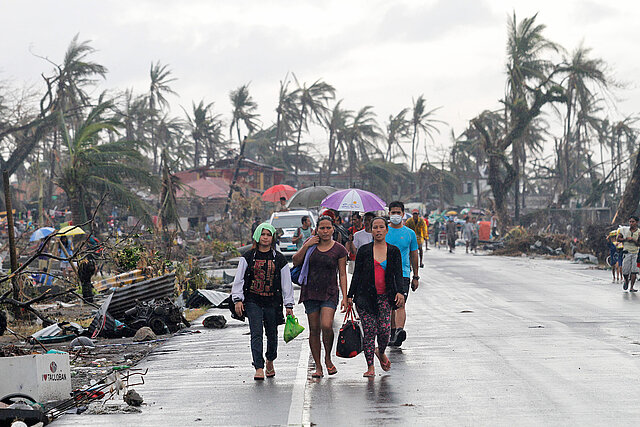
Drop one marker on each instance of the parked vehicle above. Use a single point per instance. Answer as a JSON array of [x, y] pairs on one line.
[[286, 224]]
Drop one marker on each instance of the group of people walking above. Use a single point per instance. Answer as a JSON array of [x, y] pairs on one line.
[[385, 257]]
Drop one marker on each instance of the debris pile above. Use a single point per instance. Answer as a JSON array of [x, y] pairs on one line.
[[518, 241], [162, 316]]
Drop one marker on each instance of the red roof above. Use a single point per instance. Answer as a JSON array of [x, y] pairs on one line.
[[206, 188], [187, 176]]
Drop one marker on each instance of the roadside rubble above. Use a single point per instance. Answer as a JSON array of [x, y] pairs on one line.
[[134, 314], [520, 242]]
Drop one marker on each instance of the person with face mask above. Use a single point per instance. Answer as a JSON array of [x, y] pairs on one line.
[[404, 239]]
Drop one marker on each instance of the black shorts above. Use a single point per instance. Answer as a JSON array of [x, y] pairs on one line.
[[404, 287]]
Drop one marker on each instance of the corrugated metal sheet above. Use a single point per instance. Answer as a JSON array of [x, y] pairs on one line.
[[125, 297], [119, 280]]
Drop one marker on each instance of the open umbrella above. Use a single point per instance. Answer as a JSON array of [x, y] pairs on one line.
[[41, 233], [273, 194], [70, 230], [355, 200], [310, 197], [452, 213]]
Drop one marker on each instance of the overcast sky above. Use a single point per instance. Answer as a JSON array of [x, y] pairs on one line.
[[379, 53]]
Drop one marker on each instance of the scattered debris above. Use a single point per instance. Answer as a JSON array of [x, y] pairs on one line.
[[98, 408], [519, 241], [11, 350], [126, 297], [466, 311], [144, 334], [216, 321], [202, 297], [588, 258], [58, 332], [81, 342], [20, 410], [133, 398], [161, 315]]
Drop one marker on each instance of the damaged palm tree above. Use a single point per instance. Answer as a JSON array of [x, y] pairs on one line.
[[531, 88], [631, 196]]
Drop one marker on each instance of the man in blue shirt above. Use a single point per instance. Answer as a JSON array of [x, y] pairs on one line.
[[405, 239]]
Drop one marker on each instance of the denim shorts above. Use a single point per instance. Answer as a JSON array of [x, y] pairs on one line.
[[313, 305]]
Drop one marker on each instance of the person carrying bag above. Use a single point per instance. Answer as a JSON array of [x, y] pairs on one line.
[[350, 336], [375, 289], [261, 287]]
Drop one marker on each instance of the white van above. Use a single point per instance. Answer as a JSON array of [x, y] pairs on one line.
[[288, 222]]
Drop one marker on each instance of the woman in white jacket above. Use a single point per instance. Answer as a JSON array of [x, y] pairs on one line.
[[262, 286]]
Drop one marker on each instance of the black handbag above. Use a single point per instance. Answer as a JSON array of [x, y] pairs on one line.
[[350, 337]]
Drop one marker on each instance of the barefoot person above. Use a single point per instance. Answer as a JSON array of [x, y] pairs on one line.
[[375, 289], [326, 274], [261, 286], [630, 237]]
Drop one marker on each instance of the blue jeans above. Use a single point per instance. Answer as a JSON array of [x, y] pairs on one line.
[[259, 317]]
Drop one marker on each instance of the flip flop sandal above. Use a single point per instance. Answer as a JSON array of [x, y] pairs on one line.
[[332, 370], [258, 378], [633, 290], [386, 366], [270, 374], [369, 375], [317, 375]]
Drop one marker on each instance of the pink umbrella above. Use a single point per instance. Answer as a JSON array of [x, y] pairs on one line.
[[353, 199], [273, 194]]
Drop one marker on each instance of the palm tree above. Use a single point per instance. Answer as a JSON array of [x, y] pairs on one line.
[[421, 120], [384, 177], [397, 129], [74, 74], [93, 167], [67, 93], [582, 73], [205, 128], [335, 122], [362, 133], [526, 46], [160, 76], [312, 107], [243, 112], [287, 113]]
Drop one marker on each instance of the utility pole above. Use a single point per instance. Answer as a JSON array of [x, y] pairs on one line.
[[12, 237]]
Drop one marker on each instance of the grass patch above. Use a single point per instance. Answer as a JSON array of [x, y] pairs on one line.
[[192, 314]]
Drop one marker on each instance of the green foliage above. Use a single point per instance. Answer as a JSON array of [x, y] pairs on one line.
[[128, 257]]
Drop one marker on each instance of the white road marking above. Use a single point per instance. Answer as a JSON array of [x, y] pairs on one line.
[[298, 412]]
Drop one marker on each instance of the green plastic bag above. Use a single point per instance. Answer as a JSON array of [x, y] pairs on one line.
[[292, 328]]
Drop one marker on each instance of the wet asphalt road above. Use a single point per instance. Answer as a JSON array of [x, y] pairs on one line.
[[491, 341]]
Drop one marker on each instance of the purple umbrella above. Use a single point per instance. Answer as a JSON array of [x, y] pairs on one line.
[[353, 199]]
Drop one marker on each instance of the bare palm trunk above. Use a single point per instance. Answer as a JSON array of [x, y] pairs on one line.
[[298, 142], [631, 197], [332, 155], [413, 147], [516, 187], [196, 153], [243, 144]]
